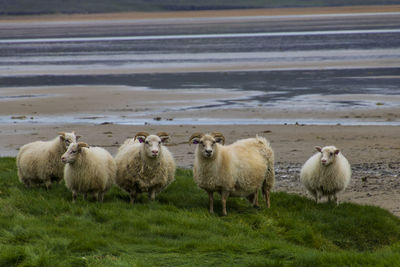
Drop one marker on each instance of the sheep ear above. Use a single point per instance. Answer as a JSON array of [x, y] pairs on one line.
[[82, 144], [62, 135], [195, 138], [140, 138], [219, 138], [78, 136], [318, 148], [164, 137], [337, 151]]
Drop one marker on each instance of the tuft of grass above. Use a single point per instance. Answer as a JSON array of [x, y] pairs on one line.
[[40, 228]]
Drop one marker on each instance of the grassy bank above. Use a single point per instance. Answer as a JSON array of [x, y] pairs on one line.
[[39, 228], [28, 7]]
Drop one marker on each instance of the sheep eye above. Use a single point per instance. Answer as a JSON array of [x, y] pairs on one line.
[[159, 142], [74, 152], [147, 142], [201, 142], [213, 142]]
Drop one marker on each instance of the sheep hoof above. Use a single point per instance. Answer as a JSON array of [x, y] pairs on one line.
[[256, 207]]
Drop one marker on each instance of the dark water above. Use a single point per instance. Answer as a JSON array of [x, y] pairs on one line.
[[279, 85]]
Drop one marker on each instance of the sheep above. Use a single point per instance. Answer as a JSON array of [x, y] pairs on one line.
[[326, 173], [238, 170], [145, 166], [127, 143], [39, 162], [88, 170]]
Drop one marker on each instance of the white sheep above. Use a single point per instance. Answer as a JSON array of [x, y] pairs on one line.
[[145, 166], [326, 173], [88, 170], [39, 162], [127, 143], [238, 170]]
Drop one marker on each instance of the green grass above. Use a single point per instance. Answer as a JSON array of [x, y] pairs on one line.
[[39, 228], [29, 7]]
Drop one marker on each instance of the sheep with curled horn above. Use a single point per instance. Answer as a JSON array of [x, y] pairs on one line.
[[237, 170], [145, 165]]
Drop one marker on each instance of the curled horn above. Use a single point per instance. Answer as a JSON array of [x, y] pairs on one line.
[[195, 135], [219, 137], [145, 134], [163, 136], [82, 144]]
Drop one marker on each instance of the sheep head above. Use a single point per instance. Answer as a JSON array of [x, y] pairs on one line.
[[328, 154], [152, 143], [68, 138], [73, 151], [207, 143]]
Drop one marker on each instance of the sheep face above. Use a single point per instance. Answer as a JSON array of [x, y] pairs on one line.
[[328, 154], [68, 138], [152, 145], [73, 152], [207, 143]]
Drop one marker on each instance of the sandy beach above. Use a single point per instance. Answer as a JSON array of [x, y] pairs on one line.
[[364, 125]]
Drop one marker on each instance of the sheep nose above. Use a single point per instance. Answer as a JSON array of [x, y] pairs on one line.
[[323, 160], [208, 151], [63, 159], [155, 152]]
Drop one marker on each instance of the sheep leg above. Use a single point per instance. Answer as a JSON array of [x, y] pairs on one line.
[[211, 202], [152, 194], [100, 197], [48, 185], [318, 196], [224, 197], [132, 196], [266, 195], [335, 198], [74, 195], [253, 199]]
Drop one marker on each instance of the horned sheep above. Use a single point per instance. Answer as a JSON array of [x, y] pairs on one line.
[[326, 173], [88, 170], [145, 166], [39, 162], [238, 170]]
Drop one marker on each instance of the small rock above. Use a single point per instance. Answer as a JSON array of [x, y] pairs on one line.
[[18, 117]]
